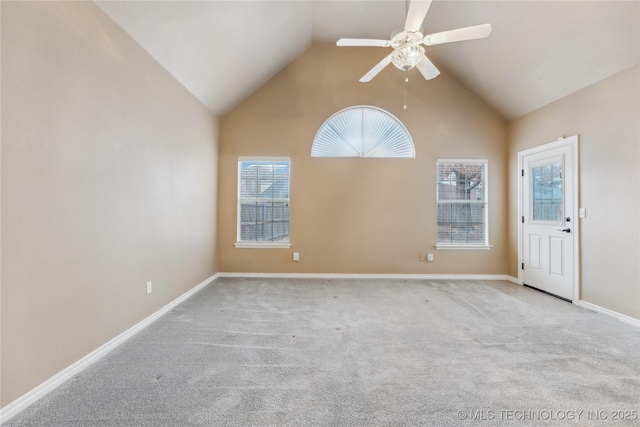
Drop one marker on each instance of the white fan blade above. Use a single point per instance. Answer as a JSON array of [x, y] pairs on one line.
[[363, 42], [415, 16], [467, 33], [427, 69], [376, 69]]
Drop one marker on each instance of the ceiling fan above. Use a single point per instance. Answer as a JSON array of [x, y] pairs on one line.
[[406, 43]]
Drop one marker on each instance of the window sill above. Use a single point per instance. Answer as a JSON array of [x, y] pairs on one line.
[[464, 247], [263, 245]]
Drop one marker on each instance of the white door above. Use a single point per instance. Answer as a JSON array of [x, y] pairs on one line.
[[548, 223]]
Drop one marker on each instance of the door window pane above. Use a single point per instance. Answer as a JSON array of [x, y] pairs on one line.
[[546, 193]]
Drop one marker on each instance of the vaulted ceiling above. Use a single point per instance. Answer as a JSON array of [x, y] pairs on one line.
[[538, 52]]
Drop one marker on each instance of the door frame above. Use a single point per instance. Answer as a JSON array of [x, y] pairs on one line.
[[571, 141]]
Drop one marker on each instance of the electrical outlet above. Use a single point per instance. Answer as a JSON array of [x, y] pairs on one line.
[[430, 257], [296, 256], [149, 287]]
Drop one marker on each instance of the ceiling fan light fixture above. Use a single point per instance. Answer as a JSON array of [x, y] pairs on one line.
[[407, 56], [407, 42]]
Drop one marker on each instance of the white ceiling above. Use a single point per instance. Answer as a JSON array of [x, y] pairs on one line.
[[538, 52]]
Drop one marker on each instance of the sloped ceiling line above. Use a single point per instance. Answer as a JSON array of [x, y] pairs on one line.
[[538, 52]]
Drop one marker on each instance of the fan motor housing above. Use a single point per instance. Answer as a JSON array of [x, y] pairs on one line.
[[400, 36]]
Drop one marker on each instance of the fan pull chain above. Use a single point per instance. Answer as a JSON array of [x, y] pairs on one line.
[[406, 80]]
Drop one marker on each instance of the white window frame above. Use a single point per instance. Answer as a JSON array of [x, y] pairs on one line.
[[262, 245], [466, 246]]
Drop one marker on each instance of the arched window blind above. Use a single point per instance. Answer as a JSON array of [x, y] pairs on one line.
[[363, 131]]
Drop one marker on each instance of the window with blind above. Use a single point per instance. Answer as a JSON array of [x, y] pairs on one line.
[[263, 202], [462, 204], [363, 131]]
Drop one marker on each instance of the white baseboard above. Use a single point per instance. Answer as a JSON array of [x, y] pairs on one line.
[[369, 276], [512, 279], [52, 383], [619, 316]]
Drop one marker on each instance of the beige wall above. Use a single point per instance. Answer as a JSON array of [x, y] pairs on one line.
[[108, 181], [606, 116], [355, 215]]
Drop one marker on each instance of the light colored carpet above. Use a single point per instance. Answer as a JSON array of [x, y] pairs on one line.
[[305, 352]]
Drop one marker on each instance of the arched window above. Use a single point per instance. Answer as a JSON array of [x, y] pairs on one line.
[[363, 131]]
